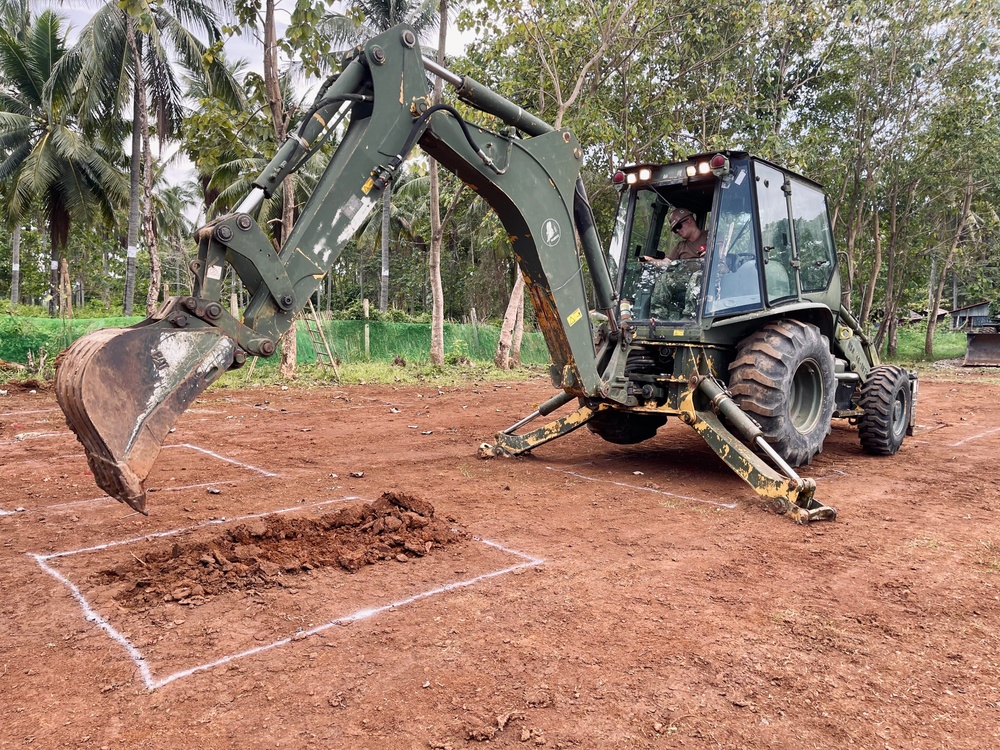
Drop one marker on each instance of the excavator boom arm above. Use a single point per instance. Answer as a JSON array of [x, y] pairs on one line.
[[532, 183]]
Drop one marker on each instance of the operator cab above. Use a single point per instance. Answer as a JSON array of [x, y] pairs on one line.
[[767, 239]]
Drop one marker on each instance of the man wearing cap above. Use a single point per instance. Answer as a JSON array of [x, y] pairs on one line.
[[675, 295], [693, 239]]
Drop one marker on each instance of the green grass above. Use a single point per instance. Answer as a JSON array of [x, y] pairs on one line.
[[265, 373], [948, 344], [37, 341]]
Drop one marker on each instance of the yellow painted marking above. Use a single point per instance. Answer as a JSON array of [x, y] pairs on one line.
[[678, 332], [321, 120], [574, 317], [367, 187]]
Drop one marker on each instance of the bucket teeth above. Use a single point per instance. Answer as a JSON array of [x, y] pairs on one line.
[[122, 389]]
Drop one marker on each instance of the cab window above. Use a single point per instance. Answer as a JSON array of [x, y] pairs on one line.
[[775, 239], [813, 238]]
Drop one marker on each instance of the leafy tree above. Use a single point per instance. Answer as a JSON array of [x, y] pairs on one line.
[[126, 54], [15, 15], [51, 159]]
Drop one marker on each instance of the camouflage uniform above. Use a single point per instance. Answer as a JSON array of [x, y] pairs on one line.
[[675, 296]]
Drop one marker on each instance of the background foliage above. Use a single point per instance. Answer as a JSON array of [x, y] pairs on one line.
[[891, 105]]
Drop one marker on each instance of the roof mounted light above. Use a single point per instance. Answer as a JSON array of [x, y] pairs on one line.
[[692, 170], [720, 165], [645, 173], [631, 178], [618, 178]]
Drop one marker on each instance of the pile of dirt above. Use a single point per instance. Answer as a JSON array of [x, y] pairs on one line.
[[271, 552]]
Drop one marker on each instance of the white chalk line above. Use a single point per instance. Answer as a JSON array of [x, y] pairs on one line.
[[92, 615], [33, 436], [264, 472], [139, 660], [729, 506], [975, 437], [102, 498], [210, 522], [158, 489], [30, 411], [361, 614]]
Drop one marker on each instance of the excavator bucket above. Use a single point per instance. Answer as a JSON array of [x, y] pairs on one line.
[[983, 349], [122, 389]]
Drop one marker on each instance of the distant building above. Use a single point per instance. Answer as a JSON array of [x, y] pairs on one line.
[[914, 316], [971, 316]]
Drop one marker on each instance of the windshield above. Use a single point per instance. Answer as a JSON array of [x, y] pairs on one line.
[[674, 256]]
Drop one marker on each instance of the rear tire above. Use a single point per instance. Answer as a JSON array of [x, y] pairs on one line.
[[625, 428], [886, 400], [783, 377]]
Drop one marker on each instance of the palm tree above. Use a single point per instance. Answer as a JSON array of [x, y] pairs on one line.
[[15, 16], [171, 206], [50, 159], [127, 56], [362, 20]]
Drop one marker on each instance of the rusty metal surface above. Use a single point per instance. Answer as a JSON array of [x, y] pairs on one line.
[[122, 389], [983, 349], [514, 445]]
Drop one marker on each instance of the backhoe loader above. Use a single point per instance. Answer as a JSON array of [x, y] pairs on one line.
[[751, 347]]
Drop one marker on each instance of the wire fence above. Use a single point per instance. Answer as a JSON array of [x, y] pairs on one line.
[[350, 340]]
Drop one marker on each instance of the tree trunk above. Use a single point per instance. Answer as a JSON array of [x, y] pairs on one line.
[[869, 297], [383, 295], [515, 344], [434, 263], [289, 342], [505, 344], [272, 88], [54, 279], [132, 243], [889, 298], [892, 347], [65, 291], [148, 211], [434, 266], [15, 265], [939, 290]]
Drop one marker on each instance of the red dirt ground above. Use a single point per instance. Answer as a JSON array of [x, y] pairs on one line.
[[622, 604]]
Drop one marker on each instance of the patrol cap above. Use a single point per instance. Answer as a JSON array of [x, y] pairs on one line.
[[677, 216]]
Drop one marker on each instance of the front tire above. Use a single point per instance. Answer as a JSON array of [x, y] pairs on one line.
[[887, 401], [783, 377]]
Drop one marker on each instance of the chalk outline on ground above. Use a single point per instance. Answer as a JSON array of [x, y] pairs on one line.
[[728, 506], [974, 437], [152, 683], [206, 451], [29, 411], [189, 446]]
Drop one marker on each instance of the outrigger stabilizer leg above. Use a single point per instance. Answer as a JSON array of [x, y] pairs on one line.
[[791, 494], [509, 444]]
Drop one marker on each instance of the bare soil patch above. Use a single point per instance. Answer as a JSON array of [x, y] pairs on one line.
[[663, 605], [273, 552]]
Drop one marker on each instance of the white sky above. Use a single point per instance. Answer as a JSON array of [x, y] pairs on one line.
[[78, 12]]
